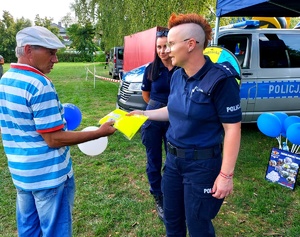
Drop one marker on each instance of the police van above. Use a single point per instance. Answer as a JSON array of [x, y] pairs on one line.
[[270, 70]]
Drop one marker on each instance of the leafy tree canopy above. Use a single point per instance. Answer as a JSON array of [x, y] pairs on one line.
[[115, 19], [82, 37], [8, 30]]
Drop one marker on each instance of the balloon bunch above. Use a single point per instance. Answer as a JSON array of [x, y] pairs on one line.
[[279, 124], [73, 118]]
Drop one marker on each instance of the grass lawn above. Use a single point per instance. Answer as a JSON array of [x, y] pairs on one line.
[[112, 197]]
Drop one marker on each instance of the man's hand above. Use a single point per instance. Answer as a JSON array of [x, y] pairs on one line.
[[107, 128]]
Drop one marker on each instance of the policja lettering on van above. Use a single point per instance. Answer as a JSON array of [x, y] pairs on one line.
[[284, 89]]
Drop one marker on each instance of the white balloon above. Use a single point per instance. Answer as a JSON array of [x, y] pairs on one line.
[[93, 147]]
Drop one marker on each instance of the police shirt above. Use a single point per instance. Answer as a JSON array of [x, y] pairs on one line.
[[159, 88], [199, 105]]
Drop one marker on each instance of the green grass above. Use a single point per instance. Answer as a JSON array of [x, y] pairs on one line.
[[112, 197]]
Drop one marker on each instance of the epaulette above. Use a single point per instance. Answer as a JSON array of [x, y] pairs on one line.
[[213, 77]]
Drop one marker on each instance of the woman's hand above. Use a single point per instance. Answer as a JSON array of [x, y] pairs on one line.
[[222, 187], [135, 112]]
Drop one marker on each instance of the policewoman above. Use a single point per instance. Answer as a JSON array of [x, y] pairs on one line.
[[155, 92], [204, 133]]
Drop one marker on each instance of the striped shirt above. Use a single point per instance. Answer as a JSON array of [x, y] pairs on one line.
[[29, 106]]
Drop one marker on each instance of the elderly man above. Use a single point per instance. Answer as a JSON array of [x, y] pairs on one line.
[[35, 138]]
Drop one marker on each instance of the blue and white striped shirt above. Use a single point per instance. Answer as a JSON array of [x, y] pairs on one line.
[[29, 105]]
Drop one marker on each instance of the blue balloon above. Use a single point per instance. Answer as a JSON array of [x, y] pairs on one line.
[[283, 134], [72, 116], [269, 124], [291, 120], [282, 116], [293, 133]]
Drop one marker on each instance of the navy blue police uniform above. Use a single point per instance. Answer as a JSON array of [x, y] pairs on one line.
[[197, 107], [154, 132]]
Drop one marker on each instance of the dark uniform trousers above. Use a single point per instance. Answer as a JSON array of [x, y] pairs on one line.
[[189, 176], [154, 139]]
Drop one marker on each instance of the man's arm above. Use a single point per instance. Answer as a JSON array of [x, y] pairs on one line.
[[67, 138]]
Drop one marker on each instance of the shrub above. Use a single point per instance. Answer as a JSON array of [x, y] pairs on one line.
[[75, 56]]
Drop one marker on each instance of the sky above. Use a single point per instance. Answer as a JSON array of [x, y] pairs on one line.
[[55, 9]]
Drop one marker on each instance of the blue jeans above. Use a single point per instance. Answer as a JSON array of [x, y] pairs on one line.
[[46, 213], [186, 185]]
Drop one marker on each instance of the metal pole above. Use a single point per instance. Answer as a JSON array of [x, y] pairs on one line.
[[215, 39], [94, 75]]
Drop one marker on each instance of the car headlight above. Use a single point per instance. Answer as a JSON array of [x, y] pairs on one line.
[[135, 86]]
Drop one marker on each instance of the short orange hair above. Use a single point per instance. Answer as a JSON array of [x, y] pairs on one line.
[[179, 19]]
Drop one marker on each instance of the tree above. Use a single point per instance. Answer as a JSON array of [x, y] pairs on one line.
[[84, 11], [9, 29], [82, 37], [46, 22], [115, 19], [67, 20]]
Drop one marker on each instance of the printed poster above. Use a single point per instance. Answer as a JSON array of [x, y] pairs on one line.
[[128, 125], [283, 168]]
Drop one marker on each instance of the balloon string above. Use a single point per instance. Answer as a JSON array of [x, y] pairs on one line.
[[279, 141], [297, 149], [293, 148]]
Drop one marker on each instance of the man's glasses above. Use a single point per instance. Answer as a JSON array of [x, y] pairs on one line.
[[171, 44], [163, 33]]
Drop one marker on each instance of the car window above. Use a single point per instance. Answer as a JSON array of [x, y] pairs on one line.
[[239, 45], [120, 54], [279, 50]]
